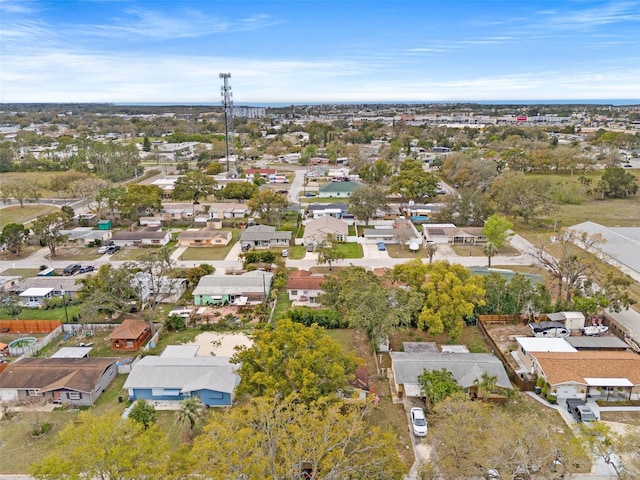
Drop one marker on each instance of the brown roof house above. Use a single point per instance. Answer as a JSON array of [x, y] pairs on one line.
[[130, 335], [204, 237], [316, 230], [607, 374], [304, 288], [76, 381]]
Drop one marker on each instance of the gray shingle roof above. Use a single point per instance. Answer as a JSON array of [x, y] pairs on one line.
[[465, 367], [254, 281], [262, 233]]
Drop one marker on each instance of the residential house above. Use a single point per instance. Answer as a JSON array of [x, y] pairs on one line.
[[262, 172], [527, 346], [204, 237], [338, 189], [86, 236], [264, 236], [167, 184], [130, 335], [304, 288], [167, 289], [449, 233], [59, 286], [592, 373], [250, 287], [316, 230], [467, 369], [336, 210], [398, 231], [74, 381], [35, 297], [143, 237], [177, 375]]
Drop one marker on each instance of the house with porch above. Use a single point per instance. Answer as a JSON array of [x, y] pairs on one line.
[[316, 230], [130, 335], [204, 237], [179, 374], [467, 369], [147, 237], [58, 286], [35, 297], [249, 288], [596, 374], [264, 236], [73, 381], [304, 288]]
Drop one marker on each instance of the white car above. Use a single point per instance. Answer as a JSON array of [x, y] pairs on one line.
[[418, 422]]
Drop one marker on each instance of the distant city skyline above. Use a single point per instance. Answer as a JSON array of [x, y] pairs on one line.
[[310, 52]]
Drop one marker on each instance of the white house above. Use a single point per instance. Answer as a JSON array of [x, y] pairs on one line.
[[36, 297]]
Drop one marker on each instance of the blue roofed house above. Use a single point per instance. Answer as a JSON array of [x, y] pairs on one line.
[[249, 288], [179, 374]]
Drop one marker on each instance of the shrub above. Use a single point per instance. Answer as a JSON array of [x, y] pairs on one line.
[[326, 317]]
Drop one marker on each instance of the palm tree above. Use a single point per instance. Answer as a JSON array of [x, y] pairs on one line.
[[431, 250], [191, 410], [489, 249], [486, 384]]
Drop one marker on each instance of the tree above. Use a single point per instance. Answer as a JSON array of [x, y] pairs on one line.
[[271, 437], [365, 200], [111, 198], [619, 183], [146, 144], [20, 189], [364, 303], [329, 251], [474, 437], [523, 196], [193, 185], [13, 237], [431, 249], [268, 205], [573, 261], [437, 385], [451, 294], [47, 229], [108, 291], [620, 451], [511, 297], [497, 230], [412, 182], [487, 384], [190, 413], [470, 207], [490, 250], [293, 359], [140, 198], [105, 447], [11, 304], [239, 190], [144, 413]]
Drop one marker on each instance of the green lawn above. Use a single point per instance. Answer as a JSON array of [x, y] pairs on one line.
[[476, 250], [396, 251], [42, 314], [211, 253], [351, 250], [282, 306], [21, 272], [134, 253], [79, 254], [15, 214], [297, 252]]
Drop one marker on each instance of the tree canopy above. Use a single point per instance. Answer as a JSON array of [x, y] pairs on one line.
[[193, 186], [365, 200], [412, 182], [293, 359]]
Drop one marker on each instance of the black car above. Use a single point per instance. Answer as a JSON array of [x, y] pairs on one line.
[[71, 269], [86, 268], [113, 249]]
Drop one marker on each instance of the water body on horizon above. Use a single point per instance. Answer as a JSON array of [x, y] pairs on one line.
[[615, 102]]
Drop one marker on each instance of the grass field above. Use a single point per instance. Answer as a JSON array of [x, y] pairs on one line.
[[211, 253], [42, 314], [20, 272], [297, 252], [351, 250], [476, 250], [396, 251], [15, 214], [78, 254], [41, 179]]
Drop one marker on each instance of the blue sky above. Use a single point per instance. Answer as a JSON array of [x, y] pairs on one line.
[[318, 51]]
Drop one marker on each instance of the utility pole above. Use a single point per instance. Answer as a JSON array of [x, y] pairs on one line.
[[227, 103]]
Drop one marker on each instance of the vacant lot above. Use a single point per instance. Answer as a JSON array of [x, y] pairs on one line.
[[16, 214]]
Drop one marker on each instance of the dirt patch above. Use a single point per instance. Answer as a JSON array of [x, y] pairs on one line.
[[220, 344]]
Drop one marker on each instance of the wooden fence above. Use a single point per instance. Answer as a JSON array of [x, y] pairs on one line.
[[525, 385], [29, 326]]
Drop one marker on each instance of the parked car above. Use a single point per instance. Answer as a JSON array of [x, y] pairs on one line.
[[418, 422], [113, 249], [583, 413], [103, 249], [627, 165], [310, 247], [309, 194], [381, 246], [86, 268], [285, 252], [71, 269]]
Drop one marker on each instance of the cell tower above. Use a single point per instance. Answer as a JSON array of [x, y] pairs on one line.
[[227, 103]]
